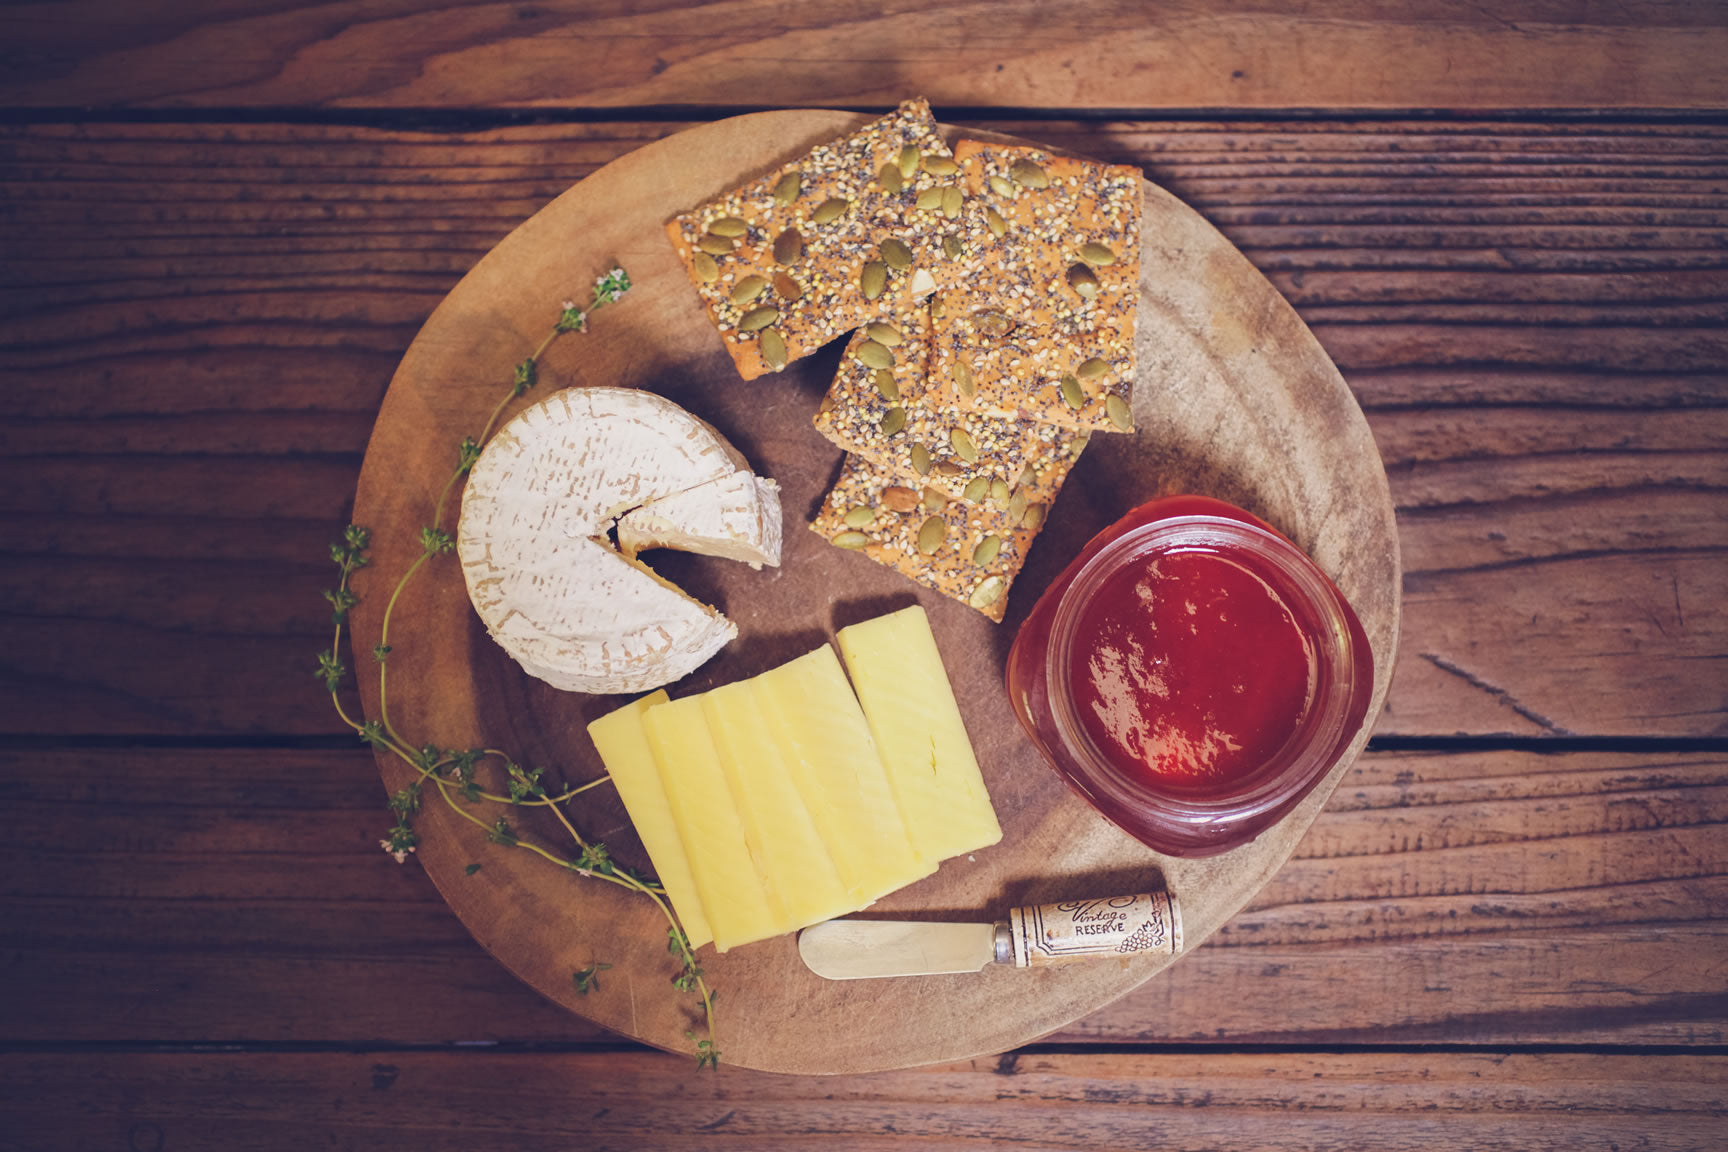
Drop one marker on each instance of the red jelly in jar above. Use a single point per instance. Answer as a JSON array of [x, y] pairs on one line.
[[1193, 674]]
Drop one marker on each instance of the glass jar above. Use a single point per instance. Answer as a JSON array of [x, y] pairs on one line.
[[1192, 674]]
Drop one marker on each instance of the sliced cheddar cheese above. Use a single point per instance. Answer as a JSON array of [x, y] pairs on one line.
[[728, 879], [797, 871], [775, 803], [623, 744], [825, 741], [909, 703]]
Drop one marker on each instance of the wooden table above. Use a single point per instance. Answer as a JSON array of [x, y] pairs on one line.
[[221, 225]]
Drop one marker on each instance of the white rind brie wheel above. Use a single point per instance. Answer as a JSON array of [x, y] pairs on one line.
[[532, 538]]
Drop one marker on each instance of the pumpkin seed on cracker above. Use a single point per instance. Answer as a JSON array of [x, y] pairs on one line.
[[873, 279], [757, 319], [747, 289], [931, 533], [831, 210], [989, 591], [772, 346], [884, 333], [789, 246], [1098, 255], [874, 355]]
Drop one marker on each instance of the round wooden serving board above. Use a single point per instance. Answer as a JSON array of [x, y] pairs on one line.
[[1235, 399]]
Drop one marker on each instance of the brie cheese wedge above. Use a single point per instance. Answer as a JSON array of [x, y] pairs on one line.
[[543, 575], [736, 516]]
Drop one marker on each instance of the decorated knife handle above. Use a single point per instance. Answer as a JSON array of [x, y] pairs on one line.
[[1082, 929]]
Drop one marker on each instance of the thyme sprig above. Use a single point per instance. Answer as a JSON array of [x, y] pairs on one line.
[[453, 773]]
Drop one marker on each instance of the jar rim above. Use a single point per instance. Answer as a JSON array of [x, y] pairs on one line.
[[1320, 613]]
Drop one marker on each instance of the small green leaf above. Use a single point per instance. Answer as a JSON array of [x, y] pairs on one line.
[[330, 669], [407, 800], [471, 869], [589, 978], [350, 552], [525, 785], [595, 858], [707, 1056], [526, 376], [460, 765], [343, 600], [466, 454], [436, 541]]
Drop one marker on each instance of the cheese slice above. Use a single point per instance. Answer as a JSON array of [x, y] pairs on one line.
[[728, 879], [532, 539], [778, 802], [824, 740], [904, 690], [623, 744], [736, 516], [797, 871]]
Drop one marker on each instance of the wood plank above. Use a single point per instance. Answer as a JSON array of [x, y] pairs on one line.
[[1532, 317], [1492, 898], [627, 1100], [1112, 54]]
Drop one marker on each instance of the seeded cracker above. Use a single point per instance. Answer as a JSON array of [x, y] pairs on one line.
[[968, 552], [893, 416], [1047, 333], [826, 243]]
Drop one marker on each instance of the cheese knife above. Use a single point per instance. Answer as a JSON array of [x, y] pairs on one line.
[[1031, 937]]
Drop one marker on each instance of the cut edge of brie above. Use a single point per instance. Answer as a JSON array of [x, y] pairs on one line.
[[736, 517]]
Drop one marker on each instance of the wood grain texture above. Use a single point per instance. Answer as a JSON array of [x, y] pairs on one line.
[[628, 1101], [197, 324], [1493, 898], [1099, 54], [1256, 415]]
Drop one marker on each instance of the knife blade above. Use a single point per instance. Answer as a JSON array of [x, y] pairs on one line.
[[1031, 937]]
